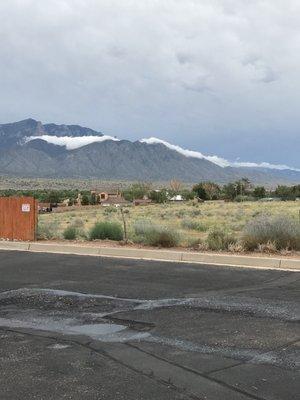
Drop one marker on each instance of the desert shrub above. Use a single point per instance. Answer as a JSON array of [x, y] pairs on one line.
[[195, 225], [180, 213], [189, 224], [141, 226], [47, 230], [106, 230], [240, 198], [193, 243], [236, 247], [162, 237], [282, 231], [153, 235], [78, 223], [70, 233], [110, 209], [201, 227], [218, 239], [269, 247], [195, 213]]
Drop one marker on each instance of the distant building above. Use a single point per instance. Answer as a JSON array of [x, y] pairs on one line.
[[177, 197], [44, 207], [110, 198], [141, 202]]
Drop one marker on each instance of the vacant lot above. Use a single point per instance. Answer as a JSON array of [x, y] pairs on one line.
[[191, 222]]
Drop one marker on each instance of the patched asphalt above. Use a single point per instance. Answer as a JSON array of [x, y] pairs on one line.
[[78, 327]]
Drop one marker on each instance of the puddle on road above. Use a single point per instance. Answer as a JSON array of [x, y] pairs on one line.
[[68, 313], [72, 313]]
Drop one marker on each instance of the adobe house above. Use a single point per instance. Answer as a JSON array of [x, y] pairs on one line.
[[110, 198], [104, 196]]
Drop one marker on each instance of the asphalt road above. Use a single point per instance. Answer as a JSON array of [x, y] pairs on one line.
[[74, 327]]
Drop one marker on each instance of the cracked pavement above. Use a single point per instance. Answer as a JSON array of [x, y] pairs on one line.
[[74, 327]]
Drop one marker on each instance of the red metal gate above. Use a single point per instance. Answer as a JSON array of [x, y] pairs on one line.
[[18, 218]]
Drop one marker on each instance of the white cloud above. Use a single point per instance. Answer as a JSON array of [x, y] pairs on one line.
[[72, 143], [215, 159]]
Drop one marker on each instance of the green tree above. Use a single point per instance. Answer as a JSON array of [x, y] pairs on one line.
[[158, 196], [54, 197], [200, 191], [85, 200], [259, 192], [230, 191], [136, 191]]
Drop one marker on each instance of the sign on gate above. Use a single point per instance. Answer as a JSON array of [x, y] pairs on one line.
[[18, 218], [26, 207]]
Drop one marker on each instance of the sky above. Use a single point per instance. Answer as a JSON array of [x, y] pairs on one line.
[[215, 76]]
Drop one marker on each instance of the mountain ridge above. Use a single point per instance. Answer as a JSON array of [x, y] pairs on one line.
[[111, 158]]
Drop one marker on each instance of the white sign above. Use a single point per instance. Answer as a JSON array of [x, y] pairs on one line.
[[25, 207]]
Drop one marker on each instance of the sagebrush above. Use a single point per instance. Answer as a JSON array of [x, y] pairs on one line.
[[282, 231]]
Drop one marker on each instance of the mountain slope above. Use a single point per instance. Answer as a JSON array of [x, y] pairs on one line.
[[111, 159]]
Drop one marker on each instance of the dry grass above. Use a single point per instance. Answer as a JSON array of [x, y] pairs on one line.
[[183, 219]]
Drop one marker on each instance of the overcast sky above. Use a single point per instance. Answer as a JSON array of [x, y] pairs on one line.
[[218, 76]]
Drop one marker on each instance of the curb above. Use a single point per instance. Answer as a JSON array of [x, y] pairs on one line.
[[158, 255]]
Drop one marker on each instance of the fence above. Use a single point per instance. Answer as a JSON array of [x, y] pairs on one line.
[[18, 218]]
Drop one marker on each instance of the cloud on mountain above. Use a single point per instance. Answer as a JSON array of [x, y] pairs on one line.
[[218, 75]]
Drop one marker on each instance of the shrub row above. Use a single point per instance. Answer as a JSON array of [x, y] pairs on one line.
[[263, 233], [153, 235]]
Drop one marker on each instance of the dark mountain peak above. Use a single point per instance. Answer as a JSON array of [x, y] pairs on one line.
[[14, 133], [70, 130], [24, 124]]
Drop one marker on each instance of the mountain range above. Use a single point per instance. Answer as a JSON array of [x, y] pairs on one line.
[[31, 149]]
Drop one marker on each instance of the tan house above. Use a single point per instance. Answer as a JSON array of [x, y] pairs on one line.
[[110, 198]]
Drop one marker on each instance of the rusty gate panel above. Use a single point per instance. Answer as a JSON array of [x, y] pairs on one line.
[[18, 218]]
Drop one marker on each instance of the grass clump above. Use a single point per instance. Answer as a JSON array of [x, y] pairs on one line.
[[110, 209], [219, 239], [106, 230], [78, 223], [153, 235], [46, 231], [194, 225], [70, 233], [283, 232]]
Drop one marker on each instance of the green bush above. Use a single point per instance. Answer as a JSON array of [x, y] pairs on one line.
[[106, 230], [219, 239], [152, 235], [283, 232], [70, 233]]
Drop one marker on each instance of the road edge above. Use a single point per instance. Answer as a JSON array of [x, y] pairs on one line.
[[158, 255]]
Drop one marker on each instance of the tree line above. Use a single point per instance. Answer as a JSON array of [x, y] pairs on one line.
[[240, 190]]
